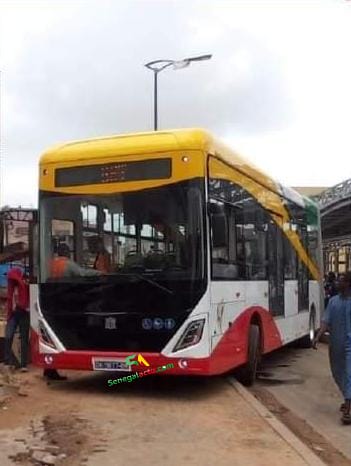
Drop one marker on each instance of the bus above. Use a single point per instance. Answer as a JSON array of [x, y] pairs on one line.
[[210, 263]]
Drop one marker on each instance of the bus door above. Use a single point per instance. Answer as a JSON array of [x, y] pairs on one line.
[[275, 269], [303, 274], [290, 272]]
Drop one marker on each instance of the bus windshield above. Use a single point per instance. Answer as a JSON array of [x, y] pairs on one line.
[[154, 234]]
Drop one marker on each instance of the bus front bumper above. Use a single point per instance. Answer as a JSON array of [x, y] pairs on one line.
[[84, 360]]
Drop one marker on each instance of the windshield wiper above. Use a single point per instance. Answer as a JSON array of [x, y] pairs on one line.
[[140, 276], [152, 282]]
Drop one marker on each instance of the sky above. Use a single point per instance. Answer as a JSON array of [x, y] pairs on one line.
[[277, 88]]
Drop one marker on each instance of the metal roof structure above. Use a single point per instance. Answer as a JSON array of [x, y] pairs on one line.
[[335, 209], [335, 206]]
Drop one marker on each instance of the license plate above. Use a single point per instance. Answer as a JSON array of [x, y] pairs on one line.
[[110, 365]]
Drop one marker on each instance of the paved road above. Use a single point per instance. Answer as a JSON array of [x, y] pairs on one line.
[[301, 381], [154, 421]]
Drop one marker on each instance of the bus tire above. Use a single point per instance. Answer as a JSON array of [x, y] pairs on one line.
[[307, 340], [248, 373]]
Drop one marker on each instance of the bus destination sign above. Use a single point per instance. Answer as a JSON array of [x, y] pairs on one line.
[[113, 172]]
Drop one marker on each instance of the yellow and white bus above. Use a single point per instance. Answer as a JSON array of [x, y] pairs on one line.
[[177, 249]]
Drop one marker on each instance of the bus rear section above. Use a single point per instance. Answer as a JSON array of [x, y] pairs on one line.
[[151, 246]]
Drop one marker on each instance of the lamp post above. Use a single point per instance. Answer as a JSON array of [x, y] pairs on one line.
[[159, 65]]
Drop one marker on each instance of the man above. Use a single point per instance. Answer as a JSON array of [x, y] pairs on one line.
[[17, 316], [337, 319], [62, 266]]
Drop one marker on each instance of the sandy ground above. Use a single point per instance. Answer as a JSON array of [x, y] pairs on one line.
[[296, 385], [154, 421]]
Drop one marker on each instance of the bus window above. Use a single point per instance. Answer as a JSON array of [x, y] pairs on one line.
[[290, 258], [33, 233], [120, 227], [313, 240], [247, 224], [303, 274], [107, 221], [275, 268], [62, 231], [227, 261], [240, 242], [255, 234], [89, 216]]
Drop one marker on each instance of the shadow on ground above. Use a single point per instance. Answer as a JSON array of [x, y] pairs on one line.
[[153, 387]]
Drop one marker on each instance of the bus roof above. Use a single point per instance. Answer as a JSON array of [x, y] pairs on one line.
[[161, 141], [133, 143]]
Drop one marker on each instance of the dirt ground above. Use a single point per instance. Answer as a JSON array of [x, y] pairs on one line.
[[156, 421], [37, 429]]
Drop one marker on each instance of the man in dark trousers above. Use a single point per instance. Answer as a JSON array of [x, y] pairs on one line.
[[17, 316], [337, 319], [52, 374]]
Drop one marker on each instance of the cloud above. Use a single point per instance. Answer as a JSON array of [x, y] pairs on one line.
[[278, 82]]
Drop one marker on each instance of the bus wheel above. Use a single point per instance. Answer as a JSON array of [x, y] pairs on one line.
[[306, 341], [247, 374]]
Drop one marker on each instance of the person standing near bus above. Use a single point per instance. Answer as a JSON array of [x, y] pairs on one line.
[[337, 319], [17, 316]]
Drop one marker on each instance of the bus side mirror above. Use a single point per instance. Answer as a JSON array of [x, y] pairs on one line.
[[219, 231]]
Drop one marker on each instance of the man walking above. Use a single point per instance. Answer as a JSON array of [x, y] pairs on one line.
[[337, 319], [17, 316]]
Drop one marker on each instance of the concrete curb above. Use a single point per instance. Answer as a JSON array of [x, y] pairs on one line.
[[308, 456]]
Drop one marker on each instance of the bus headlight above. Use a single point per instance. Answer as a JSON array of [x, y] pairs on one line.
[[192, 335]]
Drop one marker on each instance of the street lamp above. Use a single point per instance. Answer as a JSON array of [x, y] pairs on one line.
[[159, 65]]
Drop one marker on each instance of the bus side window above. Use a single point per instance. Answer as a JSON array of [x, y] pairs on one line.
[[313, 243], [290, 257], [255, 234], [33, 251], [224, 257], [247, 224]]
